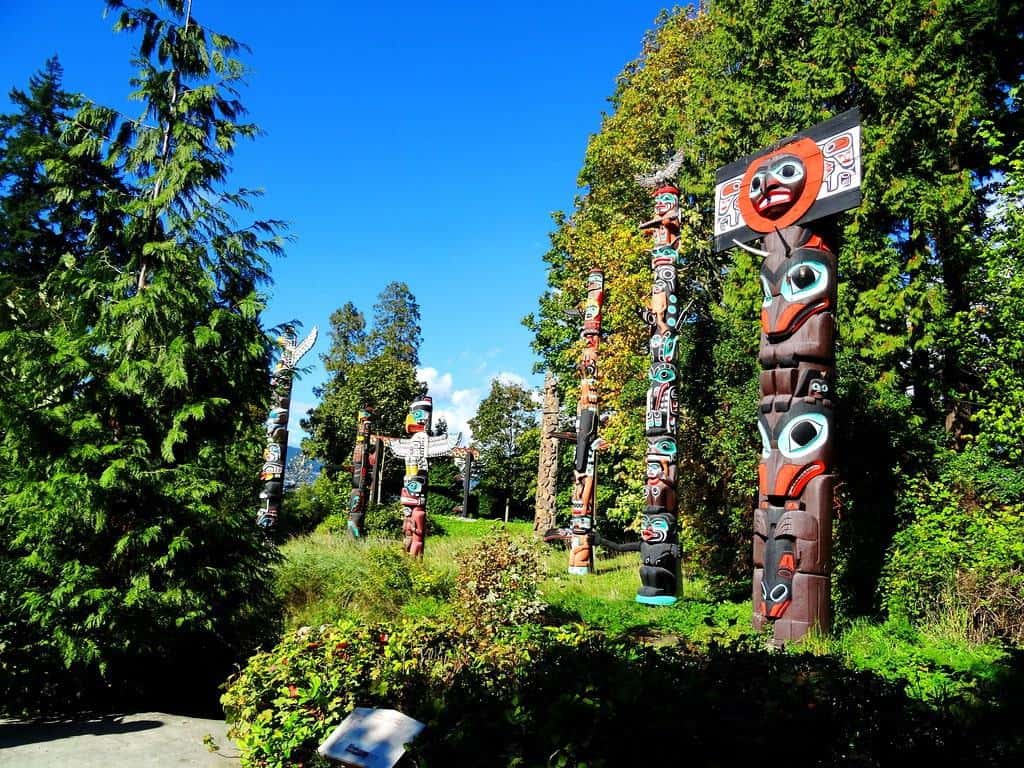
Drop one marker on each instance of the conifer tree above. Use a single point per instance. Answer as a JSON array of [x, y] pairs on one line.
[[138, 429]]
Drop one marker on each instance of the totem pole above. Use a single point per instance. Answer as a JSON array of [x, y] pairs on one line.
[[547, 461], [361, 475], [787, 195], [584, 470], [274, 455], [417, 450], [659, 551], [464, 458]]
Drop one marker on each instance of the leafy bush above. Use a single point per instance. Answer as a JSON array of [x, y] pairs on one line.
[[570, 696], [498, 582], [948, 557]]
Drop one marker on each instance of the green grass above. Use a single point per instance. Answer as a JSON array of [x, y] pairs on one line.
[[327, 577]]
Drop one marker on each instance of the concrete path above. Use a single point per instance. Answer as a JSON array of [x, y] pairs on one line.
[[139, 740]]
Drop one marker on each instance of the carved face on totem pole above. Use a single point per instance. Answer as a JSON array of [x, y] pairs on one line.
[[666, 202], [420, 416]]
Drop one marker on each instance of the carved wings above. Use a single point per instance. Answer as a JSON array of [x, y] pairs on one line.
[[292, 353]]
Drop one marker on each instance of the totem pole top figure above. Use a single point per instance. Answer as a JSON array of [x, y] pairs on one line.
[[805, 177], [420, 446]]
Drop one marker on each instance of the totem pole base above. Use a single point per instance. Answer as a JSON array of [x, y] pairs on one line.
[[579, 570], [656, 599]]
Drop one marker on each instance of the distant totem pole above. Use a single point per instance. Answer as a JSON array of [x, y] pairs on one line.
[[276, 452], [584, 470], [417, 450], [362, 470], [464, 458], [544, 515], [660, 553], [783, 195]]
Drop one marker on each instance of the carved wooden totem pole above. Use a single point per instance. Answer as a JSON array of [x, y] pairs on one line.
[[584, 470], [659, 551], [787, 195], [276, 453], [362, 470], [544, 515], [464, 458], [417, 450]]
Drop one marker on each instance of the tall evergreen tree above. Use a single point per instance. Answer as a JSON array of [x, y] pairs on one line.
[[375, 368], [137, 436]]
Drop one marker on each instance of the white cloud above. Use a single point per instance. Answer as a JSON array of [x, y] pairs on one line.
[[508, 377], [439, 385], [457, 410]]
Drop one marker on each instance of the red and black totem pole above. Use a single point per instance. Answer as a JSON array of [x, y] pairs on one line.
[[788, 195], [659, 550], [588, 443], [362, 469], [417, 450], [276, 453]]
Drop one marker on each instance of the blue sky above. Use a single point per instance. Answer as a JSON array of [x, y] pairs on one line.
[[428, 143]]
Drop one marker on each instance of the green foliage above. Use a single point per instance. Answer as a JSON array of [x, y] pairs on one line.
[[952, 557], [373, 368], [136, 379], [929, 312], [498, 583], [570, 696], [931, 665], [505, 431]]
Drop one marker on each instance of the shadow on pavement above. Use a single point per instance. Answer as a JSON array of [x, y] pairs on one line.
[[13, 734]]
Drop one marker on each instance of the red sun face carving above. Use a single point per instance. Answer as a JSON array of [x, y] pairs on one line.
[[782, 186]]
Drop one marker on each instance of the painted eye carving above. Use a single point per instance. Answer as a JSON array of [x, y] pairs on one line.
[[779, 593], [767, 290], [414, 486], [665, 447], [788, 171], [803, 435], [766, 445], [757, 184], [663, 372], [804, 280]]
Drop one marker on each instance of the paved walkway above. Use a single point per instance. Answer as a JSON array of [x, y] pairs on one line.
[[139, 740]]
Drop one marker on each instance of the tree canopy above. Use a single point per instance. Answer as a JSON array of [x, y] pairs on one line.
[[373, 368], [923, 393], [137, 373]]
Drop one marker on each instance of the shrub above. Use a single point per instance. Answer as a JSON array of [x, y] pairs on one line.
[[949, 556], [498, 582], [570, 696]]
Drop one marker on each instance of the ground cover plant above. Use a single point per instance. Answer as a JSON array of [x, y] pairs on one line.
[[567, 671]]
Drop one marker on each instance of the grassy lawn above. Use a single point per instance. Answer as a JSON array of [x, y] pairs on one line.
[[326, 577]]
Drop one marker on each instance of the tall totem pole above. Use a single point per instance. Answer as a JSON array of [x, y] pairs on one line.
[[660, 553], [787, 195], [464, 458], [276, 452], [544, 515], [584, 470], [361, 475], [417, 450]]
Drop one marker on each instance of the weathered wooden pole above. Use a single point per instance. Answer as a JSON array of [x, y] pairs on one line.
[[361, 475], [545, 513]]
